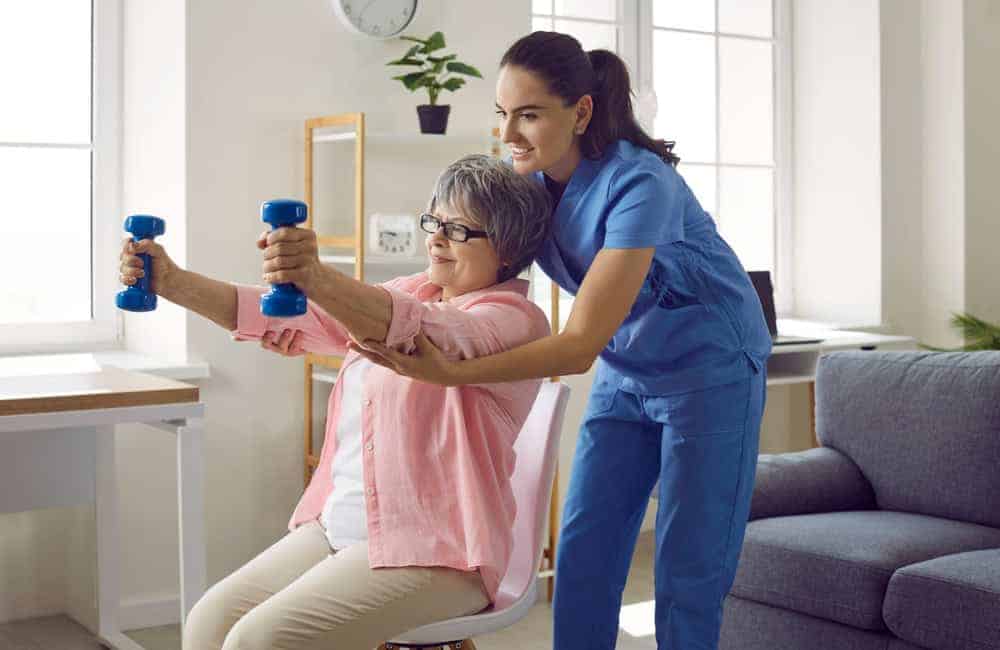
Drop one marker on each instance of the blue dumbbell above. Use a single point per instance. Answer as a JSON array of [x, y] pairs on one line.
[[139, 296], [284, 299]]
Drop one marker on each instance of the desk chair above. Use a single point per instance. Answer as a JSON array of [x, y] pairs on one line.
[[537, 449]]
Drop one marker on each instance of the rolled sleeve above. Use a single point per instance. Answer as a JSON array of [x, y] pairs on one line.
[[250, 323], [407, 314], [321, 332]]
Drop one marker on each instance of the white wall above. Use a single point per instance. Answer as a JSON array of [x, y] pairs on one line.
[[982, 151], [941, 140], [836, 215]]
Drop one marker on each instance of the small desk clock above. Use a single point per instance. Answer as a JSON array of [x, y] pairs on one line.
[[393, 235]]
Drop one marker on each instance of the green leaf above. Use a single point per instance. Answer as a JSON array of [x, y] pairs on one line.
[[462, 68], [412, 81], [433, 43], [410, 52], [413, 40], [438, 67], [405, 61], [439, 59], [453, 84]]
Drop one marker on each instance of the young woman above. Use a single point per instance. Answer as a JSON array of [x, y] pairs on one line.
[[669, 314]]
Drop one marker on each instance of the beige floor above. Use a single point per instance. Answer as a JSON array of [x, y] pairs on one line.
[[534, 632]]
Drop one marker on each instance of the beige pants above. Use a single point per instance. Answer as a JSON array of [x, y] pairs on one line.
[[299, 594]]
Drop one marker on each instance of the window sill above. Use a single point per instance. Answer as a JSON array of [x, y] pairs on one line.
[[42, 364]]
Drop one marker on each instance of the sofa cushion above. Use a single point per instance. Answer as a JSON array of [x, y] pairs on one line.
[[923, 427], [837, 565], [950, 602], [747, 625]]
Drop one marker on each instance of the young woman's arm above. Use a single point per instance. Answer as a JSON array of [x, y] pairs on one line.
[[605, 298]]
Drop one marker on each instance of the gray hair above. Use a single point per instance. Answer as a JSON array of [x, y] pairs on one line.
[[514, 210]]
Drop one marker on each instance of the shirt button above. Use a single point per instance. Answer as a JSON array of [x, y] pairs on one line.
[[368, 402], [370, 446], [371, 491]]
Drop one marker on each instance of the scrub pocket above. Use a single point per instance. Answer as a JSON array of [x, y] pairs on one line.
[[706, 412], [603, 392]]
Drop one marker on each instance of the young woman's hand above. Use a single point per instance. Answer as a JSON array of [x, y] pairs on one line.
[[131, 267], [287, 343], [427, 363], [291, 255]]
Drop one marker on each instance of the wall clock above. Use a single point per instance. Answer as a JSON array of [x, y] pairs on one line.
[[375, 18]]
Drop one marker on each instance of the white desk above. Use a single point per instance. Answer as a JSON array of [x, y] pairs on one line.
[[57, 449], [796, 363]]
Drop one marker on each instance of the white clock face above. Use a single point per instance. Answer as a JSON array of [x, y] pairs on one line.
[[376, 18]]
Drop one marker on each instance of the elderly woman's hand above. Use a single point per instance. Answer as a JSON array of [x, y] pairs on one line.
[[130, 267], [291, 255], [427, 363], [287, 343]]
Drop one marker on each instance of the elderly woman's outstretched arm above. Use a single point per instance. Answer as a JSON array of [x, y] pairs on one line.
[[362, 311]]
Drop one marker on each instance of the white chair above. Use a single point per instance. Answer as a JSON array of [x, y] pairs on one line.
[[537, 448]]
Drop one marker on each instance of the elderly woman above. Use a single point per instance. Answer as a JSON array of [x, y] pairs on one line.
[[408, 517]]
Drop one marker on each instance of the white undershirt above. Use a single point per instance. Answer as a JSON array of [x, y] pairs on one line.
[[344, 516]]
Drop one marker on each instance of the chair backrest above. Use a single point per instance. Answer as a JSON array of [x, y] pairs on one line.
[[923, 427], [537, 449]]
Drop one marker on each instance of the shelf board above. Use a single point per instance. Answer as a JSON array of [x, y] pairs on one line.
[[778, 379], [404, 138], [325, 377], [376, 260]]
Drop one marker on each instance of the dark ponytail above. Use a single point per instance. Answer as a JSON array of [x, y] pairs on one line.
[[570, 73]]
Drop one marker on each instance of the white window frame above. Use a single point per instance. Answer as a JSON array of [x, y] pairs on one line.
[[635, 46], [638, 16], [103, 329]]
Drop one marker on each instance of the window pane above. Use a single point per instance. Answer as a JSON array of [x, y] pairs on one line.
[[748, 17], [685, 14], [746, 216], [541, 24], [684, 81], [45, 74], [50, 190], [541, 6], [592, 36], [599, 9], [702, 181], [746, 132]]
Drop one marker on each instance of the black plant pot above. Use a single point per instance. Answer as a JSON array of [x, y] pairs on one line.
[[433, 118]]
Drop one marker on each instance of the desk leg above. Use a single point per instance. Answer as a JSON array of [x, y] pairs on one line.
[[812, 412], [108, 544], [190, 463]]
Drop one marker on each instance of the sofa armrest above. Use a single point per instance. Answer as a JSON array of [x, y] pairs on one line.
[[804, 482]]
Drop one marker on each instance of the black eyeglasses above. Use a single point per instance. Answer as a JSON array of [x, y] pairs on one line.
[[453, 231]]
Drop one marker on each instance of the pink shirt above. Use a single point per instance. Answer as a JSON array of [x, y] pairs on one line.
[[437, 460]]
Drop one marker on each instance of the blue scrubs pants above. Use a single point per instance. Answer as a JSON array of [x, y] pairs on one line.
[[702, 446]]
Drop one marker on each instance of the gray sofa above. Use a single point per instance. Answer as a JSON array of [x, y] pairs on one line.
[[888, 535]]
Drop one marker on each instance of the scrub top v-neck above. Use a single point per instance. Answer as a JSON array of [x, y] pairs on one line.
[[697, 321]]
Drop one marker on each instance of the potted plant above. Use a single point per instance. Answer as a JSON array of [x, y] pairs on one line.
[[436, 73], [978, 334]]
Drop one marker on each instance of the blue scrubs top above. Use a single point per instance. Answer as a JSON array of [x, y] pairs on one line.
[[697, 321]]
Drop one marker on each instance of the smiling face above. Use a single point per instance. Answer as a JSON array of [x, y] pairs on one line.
[[542, 133], [460, 267]]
